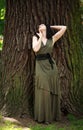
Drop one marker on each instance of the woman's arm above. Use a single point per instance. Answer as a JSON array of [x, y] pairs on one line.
[[61, 30], [36, 43]]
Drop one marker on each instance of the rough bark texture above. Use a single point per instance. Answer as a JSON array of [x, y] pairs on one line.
[[18, 61]]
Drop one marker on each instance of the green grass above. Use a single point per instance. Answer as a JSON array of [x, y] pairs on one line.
[[12, 127], [54, 127], [8, 125], [74, 124]]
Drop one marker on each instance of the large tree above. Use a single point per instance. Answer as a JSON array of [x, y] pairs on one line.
[[18, 60]]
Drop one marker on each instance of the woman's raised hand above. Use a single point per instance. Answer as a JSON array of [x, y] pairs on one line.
[[39, 34]]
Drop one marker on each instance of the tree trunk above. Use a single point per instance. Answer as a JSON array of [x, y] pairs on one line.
[[18, 60]]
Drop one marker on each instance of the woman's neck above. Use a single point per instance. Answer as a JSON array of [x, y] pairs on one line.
[[44, 39], [44, 35]]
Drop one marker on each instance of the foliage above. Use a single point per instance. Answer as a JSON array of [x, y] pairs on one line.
[[2, 3], [2, 16], [1, 44]]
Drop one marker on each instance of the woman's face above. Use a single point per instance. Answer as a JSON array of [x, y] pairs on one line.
[[42, 27]]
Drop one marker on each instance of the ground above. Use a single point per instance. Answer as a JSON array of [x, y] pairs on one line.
[[27, 123]]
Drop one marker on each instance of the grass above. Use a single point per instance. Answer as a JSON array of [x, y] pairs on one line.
[[54, 127], [74, 124], [9, 126]]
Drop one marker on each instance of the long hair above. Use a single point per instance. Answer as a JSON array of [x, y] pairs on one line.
[[49, 32]]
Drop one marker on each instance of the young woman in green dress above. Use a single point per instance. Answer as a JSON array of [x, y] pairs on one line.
[[47, 85]]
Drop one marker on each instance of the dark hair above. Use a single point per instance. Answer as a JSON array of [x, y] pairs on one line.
[[36, 35], [49, 32]]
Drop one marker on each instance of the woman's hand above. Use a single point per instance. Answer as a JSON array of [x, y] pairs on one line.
[[58, 27], [61, 30], [36, 42], [39, 34]]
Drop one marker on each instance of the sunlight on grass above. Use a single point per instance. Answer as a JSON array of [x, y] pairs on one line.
[[6, 124], [10, 126]]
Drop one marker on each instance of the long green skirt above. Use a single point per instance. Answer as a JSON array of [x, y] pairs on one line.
[[47, 106]]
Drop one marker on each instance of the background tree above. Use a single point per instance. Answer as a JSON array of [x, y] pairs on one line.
[[18, 60]]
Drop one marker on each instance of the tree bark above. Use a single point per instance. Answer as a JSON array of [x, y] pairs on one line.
[[21, 21]]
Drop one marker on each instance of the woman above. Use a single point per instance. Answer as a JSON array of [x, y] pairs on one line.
[[47, 86]]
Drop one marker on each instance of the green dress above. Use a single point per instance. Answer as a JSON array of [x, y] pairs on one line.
[[47, 88]]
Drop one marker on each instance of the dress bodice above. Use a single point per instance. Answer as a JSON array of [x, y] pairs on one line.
[[46, 48]]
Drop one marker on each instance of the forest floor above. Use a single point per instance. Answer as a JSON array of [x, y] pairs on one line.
[[24, 123]]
